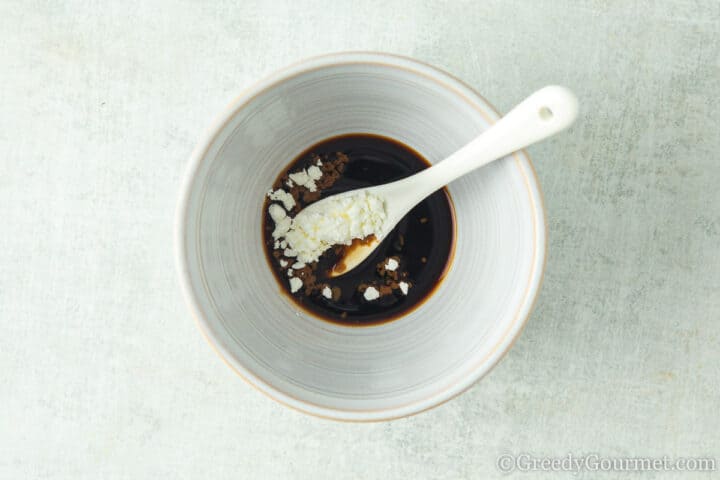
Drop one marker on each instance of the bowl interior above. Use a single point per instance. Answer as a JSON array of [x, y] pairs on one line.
[[373, 372]]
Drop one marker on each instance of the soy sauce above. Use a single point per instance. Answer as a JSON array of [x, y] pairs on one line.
[[423, 240]]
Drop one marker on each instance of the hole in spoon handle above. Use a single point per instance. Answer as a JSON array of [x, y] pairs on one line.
[[556, 107], [545, 113]]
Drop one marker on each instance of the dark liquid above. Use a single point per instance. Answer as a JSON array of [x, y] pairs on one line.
[[423, 239]]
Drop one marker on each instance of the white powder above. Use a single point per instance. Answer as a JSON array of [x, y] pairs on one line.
[[302, 178], [331, 222], [283, 263], [282, 226], [371, 293], [326, 292], [404, 286], [282, 221], [295, 284], [391, 264], [298, 265], [276, 212], [282, 196], [314, 173]]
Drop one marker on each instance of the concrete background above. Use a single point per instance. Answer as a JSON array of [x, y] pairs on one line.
[[103, 374]]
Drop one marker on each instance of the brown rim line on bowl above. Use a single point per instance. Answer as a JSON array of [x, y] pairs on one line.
[[360, 376]]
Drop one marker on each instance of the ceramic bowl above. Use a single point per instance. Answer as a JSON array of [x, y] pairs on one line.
[[350, 373]]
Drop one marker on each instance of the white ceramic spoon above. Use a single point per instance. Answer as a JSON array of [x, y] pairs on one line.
[[543, 114]]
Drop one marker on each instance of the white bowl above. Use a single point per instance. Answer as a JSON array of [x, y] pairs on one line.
[[350, 373]]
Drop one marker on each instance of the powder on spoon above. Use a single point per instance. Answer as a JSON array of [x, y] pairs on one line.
[[334, 221]]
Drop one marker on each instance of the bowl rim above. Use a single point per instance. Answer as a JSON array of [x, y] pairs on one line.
[[474, 100]]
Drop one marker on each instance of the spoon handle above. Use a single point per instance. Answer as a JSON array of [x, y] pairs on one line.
[[543, 114]]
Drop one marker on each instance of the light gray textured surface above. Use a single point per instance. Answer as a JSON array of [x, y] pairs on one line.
[[103, 373]]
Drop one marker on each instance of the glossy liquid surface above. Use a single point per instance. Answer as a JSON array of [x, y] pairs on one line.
[[422, 242]]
